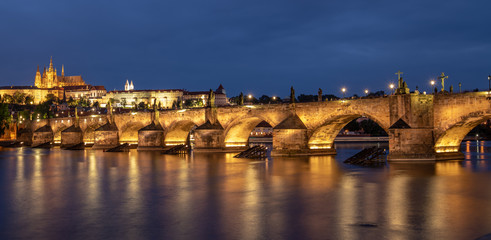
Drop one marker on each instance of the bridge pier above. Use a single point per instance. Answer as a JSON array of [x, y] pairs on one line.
[[411, 144], [209, 136], [151, 137], [71, 136], [42, 135], [106, 136], [290, 137], [24, 136]]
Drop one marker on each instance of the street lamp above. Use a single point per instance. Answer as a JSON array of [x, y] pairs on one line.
[[250, 96], [366, 92], [391, 86], [343, 90], [432, 83], [489, 79]]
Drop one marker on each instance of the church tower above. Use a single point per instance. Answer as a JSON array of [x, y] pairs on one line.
[[127, 86], [38, 79]]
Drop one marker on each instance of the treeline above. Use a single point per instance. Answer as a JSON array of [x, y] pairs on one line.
[[17, 98], [366, 126], [265, 99]]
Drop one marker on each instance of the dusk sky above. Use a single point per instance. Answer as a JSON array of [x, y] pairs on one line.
[[253, 46]]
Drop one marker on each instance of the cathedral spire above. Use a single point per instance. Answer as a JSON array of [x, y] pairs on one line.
[[51, 64], [38, 70], [62, 70]]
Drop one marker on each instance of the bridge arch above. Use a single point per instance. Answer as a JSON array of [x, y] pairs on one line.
[[451, 138], [88, 130], [238, 131], [323, 136], [178, 132], [58, 128], [129, 131]]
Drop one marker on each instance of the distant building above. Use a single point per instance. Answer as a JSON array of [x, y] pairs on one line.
[[263, 129], [220, 96], [49, 82], [92, 93], [164, 97], [129, 86]]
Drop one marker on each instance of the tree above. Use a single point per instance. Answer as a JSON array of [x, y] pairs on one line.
[[4, 117], [29, 100], [142, 105], [352, 126], [8, 99], [329, 97], [43, 110], [51, 98], [72, 102], [264, 99], [372, 128], [19, 97], [376, 94], [307, 98]]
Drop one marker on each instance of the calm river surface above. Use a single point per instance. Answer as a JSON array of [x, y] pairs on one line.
[[58, 194]]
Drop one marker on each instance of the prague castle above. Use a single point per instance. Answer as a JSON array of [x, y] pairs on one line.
[[50, 79], [49, 82], [66, 87]]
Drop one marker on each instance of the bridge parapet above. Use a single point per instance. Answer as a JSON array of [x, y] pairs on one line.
[[419, 125]]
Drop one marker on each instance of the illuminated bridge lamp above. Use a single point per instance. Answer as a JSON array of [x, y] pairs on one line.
[[391, 86], [343, 90]]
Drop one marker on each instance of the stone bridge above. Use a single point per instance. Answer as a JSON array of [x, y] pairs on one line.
[[420, 127]]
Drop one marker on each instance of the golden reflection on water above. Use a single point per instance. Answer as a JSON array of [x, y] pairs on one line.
[[448, 168], [231, 198]]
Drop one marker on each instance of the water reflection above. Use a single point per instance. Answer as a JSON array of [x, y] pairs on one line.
[[55, 194]]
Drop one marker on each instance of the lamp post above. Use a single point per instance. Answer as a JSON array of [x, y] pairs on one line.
[[343, 90], [432, 83], [489, 79], [366, 92], [391, 86]]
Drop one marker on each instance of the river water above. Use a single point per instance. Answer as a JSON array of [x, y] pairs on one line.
[[58, 194]]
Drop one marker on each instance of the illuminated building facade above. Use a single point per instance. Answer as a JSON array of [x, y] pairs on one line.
[[49, 82]]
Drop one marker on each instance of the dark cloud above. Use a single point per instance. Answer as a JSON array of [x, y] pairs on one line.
[[260, 47]]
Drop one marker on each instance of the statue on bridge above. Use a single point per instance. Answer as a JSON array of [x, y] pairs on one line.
[[442, 78], [211, 99], [292, 95], [319, 95], [401, 85], [241, 99]]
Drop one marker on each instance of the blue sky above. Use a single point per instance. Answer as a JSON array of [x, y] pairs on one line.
[[253, 46]]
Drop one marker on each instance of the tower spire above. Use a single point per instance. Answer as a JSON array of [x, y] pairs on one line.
[[51, 64], [62, 70]]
